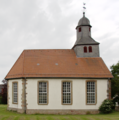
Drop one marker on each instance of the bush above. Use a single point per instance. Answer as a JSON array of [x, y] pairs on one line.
[[107, 106], [88, 113]]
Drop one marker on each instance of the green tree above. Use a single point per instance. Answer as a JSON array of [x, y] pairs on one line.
[[115, 80]]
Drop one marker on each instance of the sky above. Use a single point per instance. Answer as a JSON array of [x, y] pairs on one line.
[[50, 24]]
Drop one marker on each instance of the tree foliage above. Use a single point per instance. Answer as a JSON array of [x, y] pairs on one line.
[[115, 80], [3, 95]]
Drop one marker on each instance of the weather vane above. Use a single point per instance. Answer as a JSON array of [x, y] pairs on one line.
[[84, 8]]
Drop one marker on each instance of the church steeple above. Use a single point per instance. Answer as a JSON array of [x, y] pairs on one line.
[[85, 45]]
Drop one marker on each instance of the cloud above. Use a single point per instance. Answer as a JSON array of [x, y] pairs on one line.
[[44, 24]]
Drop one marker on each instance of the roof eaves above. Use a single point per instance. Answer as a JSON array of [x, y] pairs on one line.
[[13, 65], [85, 44]]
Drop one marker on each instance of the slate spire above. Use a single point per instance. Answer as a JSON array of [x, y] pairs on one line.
[[84, 32], [83, 37]]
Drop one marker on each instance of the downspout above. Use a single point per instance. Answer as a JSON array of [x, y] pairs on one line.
[[24, 85], [109, 88], [25, 95]]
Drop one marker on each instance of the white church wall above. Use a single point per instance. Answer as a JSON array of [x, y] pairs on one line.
[[78, 94], [11, 105]]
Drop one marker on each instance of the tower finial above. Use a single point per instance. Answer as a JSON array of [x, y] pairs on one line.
[[84, 9], [83, 14]]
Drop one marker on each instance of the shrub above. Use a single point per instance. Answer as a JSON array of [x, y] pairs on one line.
[[88, 113], [107, 106]]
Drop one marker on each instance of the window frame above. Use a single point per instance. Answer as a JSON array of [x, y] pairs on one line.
[[62, 92], [95, 92], [13, 92], [90, 49], [85, 49], [79, 29], [38, 93]]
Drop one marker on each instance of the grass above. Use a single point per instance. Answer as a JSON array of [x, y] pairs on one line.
[[9, 115]]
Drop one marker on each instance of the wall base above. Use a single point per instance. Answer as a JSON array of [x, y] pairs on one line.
[[62, 112], [58, 112], [17, 110]]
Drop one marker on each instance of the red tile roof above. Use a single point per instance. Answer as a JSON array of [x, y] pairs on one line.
[[57, 63]]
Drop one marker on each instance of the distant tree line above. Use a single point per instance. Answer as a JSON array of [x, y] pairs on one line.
[[3, 94], [115, 82]]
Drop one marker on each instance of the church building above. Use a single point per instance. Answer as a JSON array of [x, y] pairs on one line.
[[60, 81]]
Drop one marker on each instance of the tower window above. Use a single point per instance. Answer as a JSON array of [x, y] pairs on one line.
[[90, 49], [89, 29], [85, 49], [79, 29]]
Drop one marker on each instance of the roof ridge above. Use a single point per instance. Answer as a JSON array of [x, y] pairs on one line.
[[47, 49]]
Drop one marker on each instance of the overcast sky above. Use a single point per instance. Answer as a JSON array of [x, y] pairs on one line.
[[50, 24]]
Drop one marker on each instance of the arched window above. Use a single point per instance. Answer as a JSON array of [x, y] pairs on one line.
[[85, 49], [90, 49], [79, 29]]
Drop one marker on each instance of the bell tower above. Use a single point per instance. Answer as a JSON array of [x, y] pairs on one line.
[[85, 45]]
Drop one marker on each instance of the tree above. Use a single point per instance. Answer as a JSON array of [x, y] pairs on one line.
[[4, 92], [115, 80]]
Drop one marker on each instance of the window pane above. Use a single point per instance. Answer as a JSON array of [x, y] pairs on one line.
[[42, 92], [79, 29], [15, 96], [90, 49], [66, 92], [85, 49], [90, 92]]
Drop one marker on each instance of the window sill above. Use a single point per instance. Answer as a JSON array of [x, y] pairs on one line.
[[14, 103], [43, 104], [67, 104], [91, 104]]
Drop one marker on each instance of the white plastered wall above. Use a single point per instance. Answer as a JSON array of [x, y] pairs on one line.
[[78, 92], [11, 105]]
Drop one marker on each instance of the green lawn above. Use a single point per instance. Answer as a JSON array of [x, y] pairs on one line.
[[9, 115]]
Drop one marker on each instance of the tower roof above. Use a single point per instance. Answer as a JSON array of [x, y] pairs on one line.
[[85, 37], [86, 41], [84, 21]]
